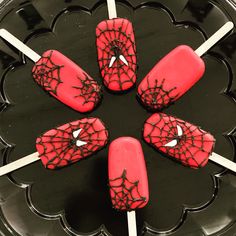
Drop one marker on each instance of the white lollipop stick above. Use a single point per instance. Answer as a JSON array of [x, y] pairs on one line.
[[219, 34], [223, 161], [19, 45], [132, 223], [111, 5], [19, 163]]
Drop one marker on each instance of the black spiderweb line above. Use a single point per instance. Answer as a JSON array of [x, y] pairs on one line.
[[155, 97], [46, 72], [89, 90], [186, 148], [68, 147], [121, 38], [125, 194]]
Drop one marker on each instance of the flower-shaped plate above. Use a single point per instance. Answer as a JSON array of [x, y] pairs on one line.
[[75, 200]]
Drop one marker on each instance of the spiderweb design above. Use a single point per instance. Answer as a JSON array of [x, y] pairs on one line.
[[153, 94], [89, 90], [114, 38], [125, 194], [193, 147], [57, 147], [47, 74]]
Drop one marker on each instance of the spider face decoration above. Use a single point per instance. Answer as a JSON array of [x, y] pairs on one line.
[[116, 53], [76, 137], [71, 142], [179, 139], [66, 81]]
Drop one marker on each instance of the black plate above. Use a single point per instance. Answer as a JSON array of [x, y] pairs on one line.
[[75, 200]]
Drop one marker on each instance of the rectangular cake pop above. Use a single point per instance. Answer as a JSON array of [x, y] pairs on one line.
[[116, 51], [183, 141], [64, 145], [128, 181], [176, 73], [60, 77]]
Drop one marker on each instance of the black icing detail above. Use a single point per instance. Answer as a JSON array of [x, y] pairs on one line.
[[47, 74], [157, 97], [123, 193], [89, 90]]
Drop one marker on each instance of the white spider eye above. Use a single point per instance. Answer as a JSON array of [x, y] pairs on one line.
[[180, 131], [80, 143], [75, 135], [172, 143], [112, 61], [122, 58]]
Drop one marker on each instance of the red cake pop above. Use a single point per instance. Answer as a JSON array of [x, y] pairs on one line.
[[64, 145], [176, 73], [127, 178], [116, 51], [60, 76], [182, 141]]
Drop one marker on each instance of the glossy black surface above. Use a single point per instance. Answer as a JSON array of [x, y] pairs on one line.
[[75, 200]]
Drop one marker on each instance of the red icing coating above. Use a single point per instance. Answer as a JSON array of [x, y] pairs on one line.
[[127, 174], [57, 147], [171, 77], [66, 81], [193, 146], [115, 37]]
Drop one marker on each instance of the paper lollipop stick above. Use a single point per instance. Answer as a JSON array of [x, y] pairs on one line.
[[218, 35], [127, 178], [111, 6], [116, 51], [131, 216], [176, 73], [65, 145], [60, 76], [183, 141]]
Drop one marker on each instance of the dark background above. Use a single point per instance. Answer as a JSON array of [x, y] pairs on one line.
[[75, 200]]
